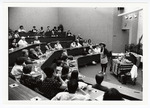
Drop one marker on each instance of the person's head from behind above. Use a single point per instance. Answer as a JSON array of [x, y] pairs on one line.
[[31, 51], [21, 27], [34, 27], [49, 72], [74, 75], [41, 28], [19, 61], [27, 69], [25, 52], [59, 63], [64, 57], [72, 85], [112, 94], [65, 70], [16, 31], [99, 78]]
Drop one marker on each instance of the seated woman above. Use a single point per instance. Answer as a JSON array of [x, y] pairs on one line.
[[112, 94], [73, 45], [17, 69], [58, 67], [58, 46], [99, 79], [28, 80], [38, 51], [32, 54], [14, 44], [36, 40], [85, 43], [69, 33], [22, 42], [16, 35], [78, 44]]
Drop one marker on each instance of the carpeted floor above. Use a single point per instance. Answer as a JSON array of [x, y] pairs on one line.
[[92, 70]]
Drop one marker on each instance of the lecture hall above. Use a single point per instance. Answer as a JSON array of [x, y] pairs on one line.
[[75, 53]]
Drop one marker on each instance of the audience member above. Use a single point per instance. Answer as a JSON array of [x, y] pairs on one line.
[[34, 30], [99, 79], [71, 95], [32, 54], [36, 40], [25, 56], [14, 44], [38, 51], [51, 86], [28, 80], [69, 33], [112, 94], [16, 35], [58, 46], [85, 43], [21, 29], [78, 44], [58, 67], [22, 42], [41, 31], [73, 45], [64, 73], [17, 69]]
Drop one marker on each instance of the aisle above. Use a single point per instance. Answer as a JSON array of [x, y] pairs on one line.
[[91, 71]]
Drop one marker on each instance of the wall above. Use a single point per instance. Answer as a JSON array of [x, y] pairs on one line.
[[140, 26], [120, 37], [30, 16], [92, 23]]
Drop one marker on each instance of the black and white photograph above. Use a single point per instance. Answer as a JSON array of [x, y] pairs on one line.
[[75, 52]]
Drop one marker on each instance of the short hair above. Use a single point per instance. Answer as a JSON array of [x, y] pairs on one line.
[[112, 94], [65, 70], [27, 69], [21, 26], [19, 61], [99, 78], [74, 75], [72, 85], [58, 63], [64, 57], [48, 71]]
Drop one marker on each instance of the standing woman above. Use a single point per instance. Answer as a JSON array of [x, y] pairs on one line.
[[103, 57]]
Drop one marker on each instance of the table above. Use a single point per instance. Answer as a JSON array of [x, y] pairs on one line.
[[21, 92], [118, 66]]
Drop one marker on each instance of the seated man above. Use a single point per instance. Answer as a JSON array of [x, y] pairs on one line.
[[22, 42], [71, 95], [32, 54], [21, 29], [112, 94], [58, 46], [34, 30], [28, 80], [17, 70], [51, 85], [99, 78]]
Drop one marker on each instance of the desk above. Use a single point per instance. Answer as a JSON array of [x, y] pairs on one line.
[[18, 52], [118, 66], [21, 92], [44, 39]]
